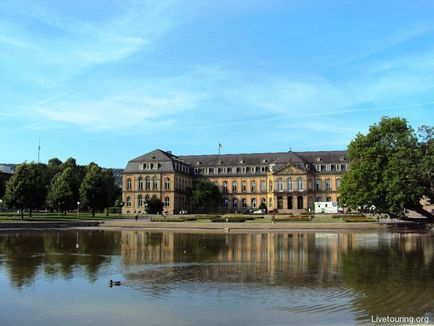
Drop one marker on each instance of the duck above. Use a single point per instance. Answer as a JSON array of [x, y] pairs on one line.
[[114, 283]]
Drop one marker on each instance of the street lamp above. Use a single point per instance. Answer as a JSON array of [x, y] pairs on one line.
[[78, 209]]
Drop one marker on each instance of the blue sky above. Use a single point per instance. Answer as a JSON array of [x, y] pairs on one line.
[[107, 81]]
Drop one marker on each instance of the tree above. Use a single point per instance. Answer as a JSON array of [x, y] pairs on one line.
[[263, 206], [426, 144], [386, 172], [92, 188], [2, 185], [26, 188], [154, 206], [61, 193], [204, 195]]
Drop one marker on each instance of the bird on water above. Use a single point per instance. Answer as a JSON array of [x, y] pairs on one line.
[[114, 283]]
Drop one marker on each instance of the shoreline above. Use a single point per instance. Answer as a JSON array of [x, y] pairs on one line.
[[131, 224]]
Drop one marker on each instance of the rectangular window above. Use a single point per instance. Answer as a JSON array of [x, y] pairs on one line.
[[263, 169], [243, 202], [243, 186], [338, 167], [328, 167], [318, 167]]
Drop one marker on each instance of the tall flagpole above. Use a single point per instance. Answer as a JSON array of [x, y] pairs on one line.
[[39, 148]]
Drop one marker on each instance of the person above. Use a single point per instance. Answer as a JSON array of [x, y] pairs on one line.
[[164, 215], [273, 217], [137, 216]]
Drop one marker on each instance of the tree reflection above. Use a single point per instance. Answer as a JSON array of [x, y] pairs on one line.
[[55, 254]]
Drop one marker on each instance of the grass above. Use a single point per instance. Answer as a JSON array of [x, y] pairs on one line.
[[36, 216]]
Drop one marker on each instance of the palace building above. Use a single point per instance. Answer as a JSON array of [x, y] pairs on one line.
[[289, 181]]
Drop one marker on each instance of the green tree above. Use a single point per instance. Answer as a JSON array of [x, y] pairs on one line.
[[26, 189], [426, 144], [204, 196], [61, 192], [154, 206], [92, 194], [386, 171], [2, 185]]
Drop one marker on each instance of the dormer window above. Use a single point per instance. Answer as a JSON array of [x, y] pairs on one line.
[[318, 159], [220, 162], [242, 162], [198, 163], [264, 161], [263, 168], [307, 167], [318, 167], [243, 169], [253, 169], [338, 167], [328, 167], [152, 157], [342, 158], [144, 166]]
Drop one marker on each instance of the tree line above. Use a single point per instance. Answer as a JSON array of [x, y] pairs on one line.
[[59, 186]]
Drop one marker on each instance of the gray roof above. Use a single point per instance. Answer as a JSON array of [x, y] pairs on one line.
[[166, 159]]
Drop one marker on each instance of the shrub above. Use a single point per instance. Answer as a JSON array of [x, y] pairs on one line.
[[295, 218], [358, 219], [229, 219]]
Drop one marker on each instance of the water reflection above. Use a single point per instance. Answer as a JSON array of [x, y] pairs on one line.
[[347, 275]]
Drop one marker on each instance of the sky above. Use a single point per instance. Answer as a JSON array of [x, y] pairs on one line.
[[107, 81]]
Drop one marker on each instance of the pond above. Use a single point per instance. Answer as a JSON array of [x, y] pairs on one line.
[[62, 277]]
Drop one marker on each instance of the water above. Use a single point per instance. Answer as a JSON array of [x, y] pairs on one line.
[[62, 277]]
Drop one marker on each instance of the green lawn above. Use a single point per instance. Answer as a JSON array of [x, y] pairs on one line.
[[13, 216]]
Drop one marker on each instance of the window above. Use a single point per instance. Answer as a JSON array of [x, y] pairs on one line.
[[234, 203], [253, 186], [234, 186], [139, 201], [210, 170], [290, 199], [279, 202], [243, 186], [243, 202], [318, 198], [289, 183], [318, 167], [318, 184], [270, 203], [338, 167], [154, 196], [263, 169], [310, 184], [147, 183], [128, 184], [338, 183], [166, 201], [167, 184], [128, 201], [225, 202], [253, 169], [263, 201], [279, 184], [154, 183], [300, 184], [328, 167], [270, 186], [243, 169], [328, 184], [140, 185], [263, 186], [225, 186], [253, 203], [146, 198], [329, 199]]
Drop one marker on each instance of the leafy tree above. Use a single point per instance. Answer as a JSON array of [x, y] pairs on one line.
[[264, 207], [2, 185], [154, 206], [92, 193], [386, 172], [61, 192], [111, 191], [426, 144], [204, 195], [26, 188]]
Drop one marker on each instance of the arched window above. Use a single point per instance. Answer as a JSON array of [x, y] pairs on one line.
[[234, 203], [147, 183], [300, 184], [328, 184], [225, 187], [243, 185], [140, 185], [166, 201], [128, 184], [225, 202], [270, 203], [154, 183], [279, 202], [289, 181], [167, 184], [270, 186], [253, 186], [128, 201], [234, 186], [243, 202], [279, 184], [318, 184], [146, 198], [310, 184], [253, 203], [338, 184], [263, 201], [263, 186], [139, 201]]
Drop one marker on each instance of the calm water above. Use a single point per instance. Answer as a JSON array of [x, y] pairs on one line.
[[61, 277]]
